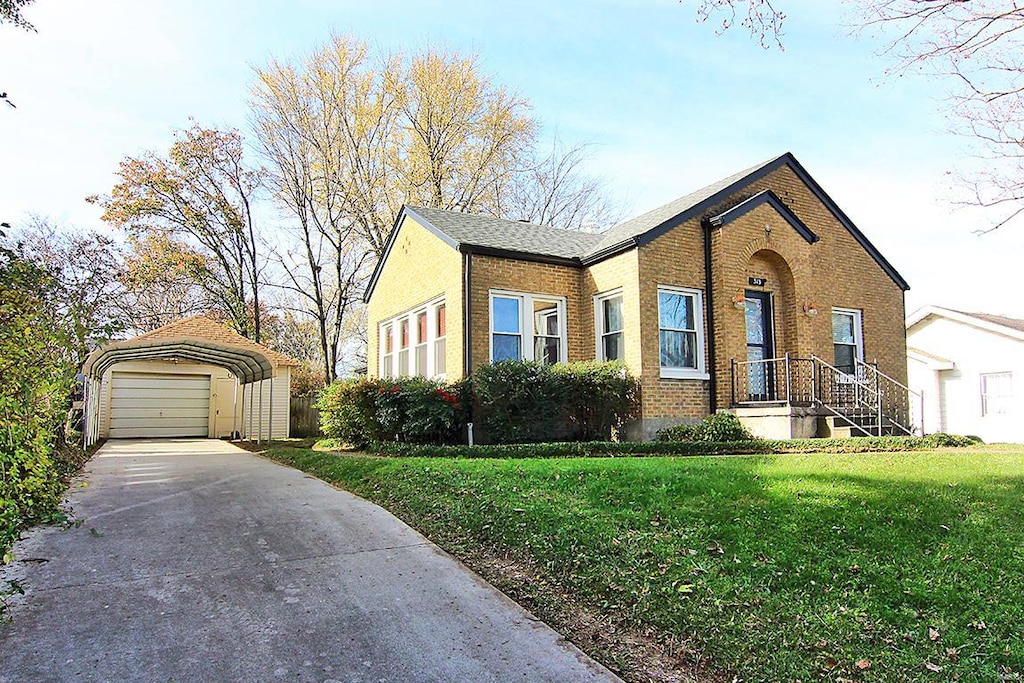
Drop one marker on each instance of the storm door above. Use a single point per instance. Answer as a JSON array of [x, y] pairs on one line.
[[760, 346]]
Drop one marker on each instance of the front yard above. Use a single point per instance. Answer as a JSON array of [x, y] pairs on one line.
[[880, 567]]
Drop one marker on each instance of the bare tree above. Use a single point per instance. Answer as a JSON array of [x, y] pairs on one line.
[[759, 17], [86, 294], [554, 189], [349, 137], [977, 49], [201, 194]]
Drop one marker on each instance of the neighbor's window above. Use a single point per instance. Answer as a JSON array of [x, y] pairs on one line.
[[419, 335], [996, 393], [539, 337], [680, 332], [847, 339]]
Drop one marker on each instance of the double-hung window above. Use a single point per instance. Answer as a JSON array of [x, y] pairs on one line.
[[847, 339], [413, 343], [387, 345], [608, 323], [421, 344], [440, 332], [681, 333], [996, 393], [403, 347], [527, 327]]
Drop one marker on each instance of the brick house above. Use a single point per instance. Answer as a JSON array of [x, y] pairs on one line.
[[755, 293]]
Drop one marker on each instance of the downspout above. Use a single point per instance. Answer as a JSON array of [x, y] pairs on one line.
[[709, 302], [467, 314], [467, 334]]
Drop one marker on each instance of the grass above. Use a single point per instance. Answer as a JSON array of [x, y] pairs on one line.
[[880, 567]]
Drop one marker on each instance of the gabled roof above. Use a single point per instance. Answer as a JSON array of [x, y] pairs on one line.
[[206, 328], [1000, 324], [470, 233], [465, 231]]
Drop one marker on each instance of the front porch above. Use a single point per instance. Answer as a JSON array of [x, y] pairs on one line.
[[798, 398]]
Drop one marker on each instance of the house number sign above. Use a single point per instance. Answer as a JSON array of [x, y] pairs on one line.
[[757, 281]]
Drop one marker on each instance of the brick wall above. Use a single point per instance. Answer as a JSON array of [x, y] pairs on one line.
[[490, 272], [419, 268]]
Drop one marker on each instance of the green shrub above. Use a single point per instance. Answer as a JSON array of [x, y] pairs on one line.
[[411, 409], [866, 444], [38, 374], [717, 428], [529, 402], [347, 411], [597, 398], [518, 402]]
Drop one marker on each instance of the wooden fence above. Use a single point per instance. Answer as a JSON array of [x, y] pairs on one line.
[[305, 419]]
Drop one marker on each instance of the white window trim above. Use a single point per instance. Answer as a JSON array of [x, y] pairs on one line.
[[526, 322], [858, 334], [430, 308], [983, 378], [599, 333], [700, 372]]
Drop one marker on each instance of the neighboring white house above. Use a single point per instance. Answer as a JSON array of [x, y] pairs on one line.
[[190, 378], [970, 369]]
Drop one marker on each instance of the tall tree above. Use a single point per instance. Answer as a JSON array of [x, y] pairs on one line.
[[160, 281], [201, 194], [84, 271], [349, 137]]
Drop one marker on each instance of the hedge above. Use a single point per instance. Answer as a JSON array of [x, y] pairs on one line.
[[867, 444], [510, 402]]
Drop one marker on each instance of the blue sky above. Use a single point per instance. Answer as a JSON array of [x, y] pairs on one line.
[[668, 105]]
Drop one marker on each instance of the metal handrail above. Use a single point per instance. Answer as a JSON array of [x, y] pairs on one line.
[[867, 392]]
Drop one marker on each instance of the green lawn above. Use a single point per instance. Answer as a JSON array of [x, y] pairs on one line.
[[882, 567]]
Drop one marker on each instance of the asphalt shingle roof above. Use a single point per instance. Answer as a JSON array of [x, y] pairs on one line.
[[635, 227], [542, 240], [1012, 323], [515, 236], [203, 327]]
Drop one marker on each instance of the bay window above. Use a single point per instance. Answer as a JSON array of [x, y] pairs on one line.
[[419, 337]]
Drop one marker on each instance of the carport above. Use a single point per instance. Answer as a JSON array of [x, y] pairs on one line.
[[250, 367]]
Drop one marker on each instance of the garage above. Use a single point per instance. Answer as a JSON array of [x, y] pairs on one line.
[[157, 405], [192, 378]]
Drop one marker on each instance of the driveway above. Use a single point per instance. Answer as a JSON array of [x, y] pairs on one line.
[[197, 561]]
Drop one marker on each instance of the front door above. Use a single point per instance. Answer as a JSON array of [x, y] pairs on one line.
[[760, 346]]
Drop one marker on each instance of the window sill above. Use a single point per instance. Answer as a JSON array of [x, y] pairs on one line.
[[676, 373]]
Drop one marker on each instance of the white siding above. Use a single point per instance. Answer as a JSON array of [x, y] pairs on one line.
[[953, 397]]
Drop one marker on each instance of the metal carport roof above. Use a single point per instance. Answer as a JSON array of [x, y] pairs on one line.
[[248, 365]]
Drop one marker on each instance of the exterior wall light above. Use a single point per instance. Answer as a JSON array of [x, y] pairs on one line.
[[739, 302], [810, 309]]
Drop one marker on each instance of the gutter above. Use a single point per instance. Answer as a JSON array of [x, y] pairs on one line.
[[709, 303]]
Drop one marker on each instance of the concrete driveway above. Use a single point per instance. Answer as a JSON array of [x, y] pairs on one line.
[[197, 561]]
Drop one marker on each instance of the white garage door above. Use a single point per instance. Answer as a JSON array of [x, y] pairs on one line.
[[153, 405]]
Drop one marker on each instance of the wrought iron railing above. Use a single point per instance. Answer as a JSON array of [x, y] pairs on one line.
[[867, 400]]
